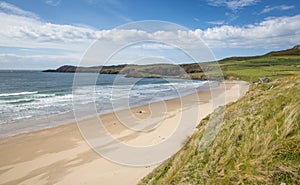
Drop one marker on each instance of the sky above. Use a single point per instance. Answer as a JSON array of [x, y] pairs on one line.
[[42, 34]]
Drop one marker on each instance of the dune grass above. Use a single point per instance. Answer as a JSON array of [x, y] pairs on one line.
[[259, 142]]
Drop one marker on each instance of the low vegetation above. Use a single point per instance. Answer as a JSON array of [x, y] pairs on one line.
[[259, 142], [252, 68]]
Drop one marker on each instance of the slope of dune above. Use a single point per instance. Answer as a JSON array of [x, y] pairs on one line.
[[259, 142]]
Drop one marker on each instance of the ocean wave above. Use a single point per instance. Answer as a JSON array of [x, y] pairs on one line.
[[22, 101], [43, 95], [53, 101], [19, 93]]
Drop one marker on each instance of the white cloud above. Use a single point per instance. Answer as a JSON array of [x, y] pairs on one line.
[[11, 9], [53, 2], [233, 4], [281, 7], [20, 29], [216, 22], [23, 31], [152, 46], [270, 33]]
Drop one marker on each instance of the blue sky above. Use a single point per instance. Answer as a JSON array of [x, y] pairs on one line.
[[39, 34]]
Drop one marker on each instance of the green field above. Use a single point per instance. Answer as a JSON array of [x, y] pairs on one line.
[[252, 68]]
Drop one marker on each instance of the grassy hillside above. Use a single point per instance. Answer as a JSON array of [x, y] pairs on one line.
[[252, 68], [259, 142]]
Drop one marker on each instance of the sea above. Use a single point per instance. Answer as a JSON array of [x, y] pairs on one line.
[[33, 100]]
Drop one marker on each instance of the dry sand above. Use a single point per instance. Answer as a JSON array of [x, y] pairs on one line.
[[60, 155]]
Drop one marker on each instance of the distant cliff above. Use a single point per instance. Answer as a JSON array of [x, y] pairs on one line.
[[137, 71], [94, 69]]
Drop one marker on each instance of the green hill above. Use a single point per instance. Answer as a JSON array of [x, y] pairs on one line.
[[259, 142], [273, 65], [252, 68]]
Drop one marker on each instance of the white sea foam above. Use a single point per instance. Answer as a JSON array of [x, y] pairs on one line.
[[19, 93]]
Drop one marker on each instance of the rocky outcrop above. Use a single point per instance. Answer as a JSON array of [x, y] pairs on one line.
[[138, 71]]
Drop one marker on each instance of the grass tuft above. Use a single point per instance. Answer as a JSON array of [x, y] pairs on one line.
[[258, 143]]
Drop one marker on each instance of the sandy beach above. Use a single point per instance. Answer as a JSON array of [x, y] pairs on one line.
[[60, 155]]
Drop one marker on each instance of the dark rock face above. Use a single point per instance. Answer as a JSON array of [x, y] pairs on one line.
[[296, 47], [138, 71], [63, 69], [50, 70], [71, 69]]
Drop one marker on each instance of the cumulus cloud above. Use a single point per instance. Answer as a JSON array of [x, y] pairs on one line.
[[24, 30], [268, 9], [270, 33], [21, 29], [233, 4]]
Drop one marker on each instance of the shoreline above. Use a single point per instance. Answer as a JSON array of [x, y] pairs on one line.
[[60, 155], [34, 124]]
